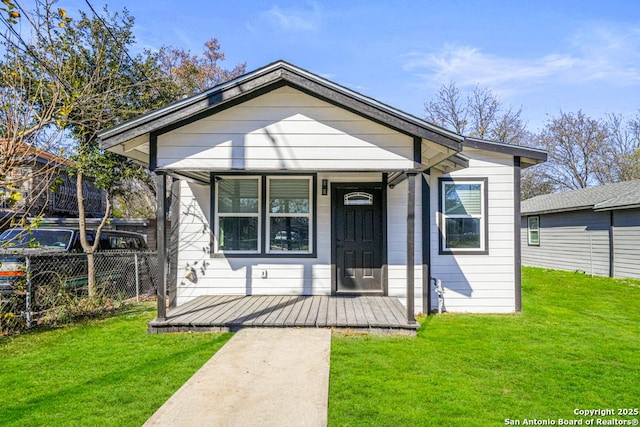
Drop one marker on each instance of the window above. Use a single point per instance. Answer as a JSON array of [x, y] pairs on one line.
[[266, 215], [463, 208], [238, 214], [289, 214], [533, 228]]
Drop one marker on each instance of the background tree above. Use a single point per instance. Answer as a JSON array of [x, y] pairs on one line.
[[98, 85], [26, 130], [184, 74], [533, 183], [87, 60], [480, 114], [622, 160], [577, 148]]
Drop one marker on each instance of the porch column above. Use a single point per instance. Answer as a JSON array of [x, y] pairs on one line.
[[161, 279], [411, 226]]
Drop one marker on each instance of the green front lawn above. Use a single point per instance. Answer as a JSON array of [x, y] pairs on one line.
[[577, 345], [107, 372]]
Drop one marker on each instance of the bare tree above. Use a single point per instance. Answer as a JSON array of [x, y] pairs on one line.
[[28, 139], [577, 149], [447, 109], [533, 182], [623, 149], [480, 114]]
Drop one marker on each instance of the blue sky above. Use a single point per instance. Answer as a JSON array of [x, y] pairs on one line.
[[545, 56]]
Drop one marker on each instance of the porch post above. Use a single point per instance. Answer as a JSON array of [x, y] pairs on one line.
[[161, 279], [426, 242], [517, 261], [411, 226]]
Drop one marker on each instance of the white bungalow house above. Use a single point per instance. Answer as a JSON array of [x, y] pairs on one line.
[[290, 184]]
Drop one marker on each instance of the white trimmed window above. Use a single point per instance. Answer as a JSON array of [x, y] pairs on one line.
[[464, 214], [289, 214], [238, 214], [533, 228]]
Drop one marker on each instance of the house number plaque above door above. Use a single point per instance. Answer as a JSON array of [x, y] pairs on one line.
[[358, 198]]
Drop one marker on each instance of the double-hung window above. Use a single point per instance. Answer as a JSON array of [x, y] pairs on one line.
[[289, 214], [238, 215], [264, 215], [533, 227], [463, 209]]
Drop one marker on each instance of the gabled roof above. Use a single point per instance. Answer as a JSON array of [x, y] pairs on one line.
[[265, 79], [622, 195]]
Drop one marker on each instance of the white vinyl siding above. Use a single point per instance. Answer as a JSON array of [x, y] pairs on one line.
[[255, 275], [473, 283], [480, 282], [284, 130], [288, 131], [397, 243]]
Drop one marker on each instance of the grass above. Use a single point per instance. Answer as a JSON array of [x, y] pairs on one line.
[[107, 372], [576, 345]]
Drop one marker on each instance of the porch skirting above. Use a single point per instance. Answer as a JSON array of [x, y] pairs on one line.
[[230, 313]]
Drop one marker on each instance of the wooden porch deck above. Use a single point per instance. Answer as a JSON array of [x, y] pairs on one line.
[[230, 313]]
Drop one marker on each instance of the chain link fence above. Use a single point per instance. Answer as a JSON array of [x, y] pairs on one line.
[[51, 288]]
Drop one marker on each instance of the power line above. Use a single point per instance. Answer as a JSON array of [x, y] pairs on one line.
[[30, 52], [126, 52]]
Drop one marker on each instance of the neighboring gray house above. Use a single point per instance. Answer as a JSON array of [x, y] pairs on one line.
[[595, 230]]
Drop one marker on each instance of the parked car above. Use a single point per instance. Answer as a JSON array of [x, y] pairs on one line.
[[58, 255]]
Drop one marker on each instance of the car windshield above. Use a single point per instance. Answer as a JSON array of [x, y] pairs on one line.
[[39, 238]]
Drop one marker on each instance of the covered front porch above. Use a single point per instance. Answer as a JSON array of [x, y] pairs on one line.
[[230, 313]]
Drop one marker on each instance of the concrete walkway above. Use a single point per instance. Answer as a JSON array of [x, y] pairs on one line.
[[260, 377]]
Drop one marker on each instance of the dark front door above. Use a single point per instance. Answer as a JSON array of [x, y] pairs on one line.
[[358, 239]]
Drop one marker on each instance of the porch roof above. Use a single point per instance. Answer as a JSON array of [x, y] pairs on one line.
[[134, 138]]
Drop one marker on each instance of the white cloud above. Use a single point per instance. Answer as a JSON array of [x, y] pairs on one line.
[[600, 54], [294, 19]]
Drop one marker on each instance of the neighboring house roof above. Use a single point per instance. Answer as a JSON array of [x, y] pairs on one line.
[[621, 195], [41, 156]]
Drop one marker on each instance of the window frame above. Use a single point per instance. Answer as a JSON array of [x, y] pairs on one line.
[[529, 218], [263, 217], [484, 217], [269, 215], [218, 215]]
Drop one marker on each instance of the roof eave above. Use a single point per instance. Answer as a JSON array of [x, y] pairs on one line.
[[617, 207], [279, 73], [524, 212], [532, 155]]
